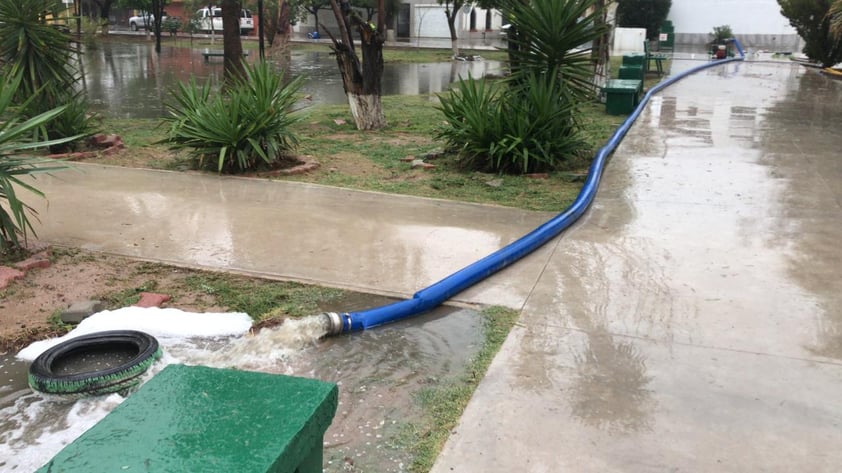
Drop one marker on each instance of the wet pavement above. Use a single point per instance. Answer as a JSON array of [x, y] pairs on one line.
[[691, 321]]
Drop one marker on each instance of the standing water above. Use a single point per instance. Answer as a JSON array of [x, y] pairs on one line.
[[129, 80], [379, 373]]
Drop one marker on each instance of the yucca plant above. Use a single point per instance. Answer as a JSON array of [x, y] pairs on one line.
[[527, 123], [472, 111], [15, 139], [547, 35], [240, 129], [34, 49], [523, 127]]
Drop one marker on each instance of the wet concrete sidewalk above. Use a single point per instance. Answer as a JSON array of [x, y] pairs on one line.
[[370, 242], [692, 320]]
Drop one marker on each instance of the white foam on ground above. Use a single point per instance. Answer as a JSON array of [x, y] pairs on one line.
[[158, 322], [38, 426]]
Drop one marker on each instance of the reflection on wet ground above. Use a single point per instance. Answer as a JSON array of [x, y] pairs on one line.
[[691, 320], [379, 373], [129, 80]]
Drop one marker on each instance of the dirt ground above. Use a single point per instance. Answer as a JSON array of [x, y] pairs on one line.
[[29, 307]]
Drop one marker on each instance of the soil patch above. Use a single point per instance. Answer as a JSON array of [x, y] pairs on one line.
[[29, 307]]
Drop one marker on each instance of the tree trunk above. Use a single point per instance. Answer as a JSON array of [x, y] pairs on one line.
[[232, 45], [104, 11], [280, 51], [600, 49], [158, 14], [451, 24], [361, 79]]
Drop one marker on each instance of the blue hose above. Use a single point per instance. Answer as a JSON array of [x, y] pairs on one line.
[[437, 293]]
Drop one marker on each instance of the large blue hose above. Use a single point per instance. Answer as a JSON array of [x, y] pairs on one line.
[[437, 293]]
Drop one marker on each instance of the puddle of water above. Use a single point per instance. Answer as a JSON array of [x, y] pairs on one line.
[[378, 373], [94, 360], [129, 80]]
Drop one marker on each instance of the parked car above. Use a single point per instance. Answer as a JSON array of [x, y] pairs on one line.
[[205, 18], [139, 21]]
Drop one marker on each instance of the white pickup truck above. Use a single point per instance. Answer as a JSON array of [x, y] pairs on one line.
[[208, 22]]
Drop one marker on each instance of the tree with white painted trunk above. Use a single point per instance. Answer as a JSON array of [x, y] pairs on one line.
[[361, 77]]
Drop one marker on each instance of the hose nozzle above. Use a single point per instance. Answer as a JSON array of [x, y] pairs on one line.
[[334, 323]]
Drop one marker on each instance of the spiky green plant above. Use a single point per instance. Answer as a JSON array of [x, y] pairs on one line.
[[524, 127], [547, 35], [528, 122], [239, 129], [35, 49], [15, 138]]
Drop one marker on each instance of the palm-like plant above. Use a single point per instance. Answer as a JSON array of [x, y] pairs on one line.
[[547, 35], [528, 123], [34, 49], [237, 130], [15, 134]]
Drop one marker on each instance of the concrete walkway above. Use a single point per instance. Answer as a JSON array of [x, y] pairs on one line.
[[691, 321]]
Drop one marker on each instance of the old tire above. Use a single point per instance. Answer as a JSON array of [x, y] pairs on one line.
[[86, 365]]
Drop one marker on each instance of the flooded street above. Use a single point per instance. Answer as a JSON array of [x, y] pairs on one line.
[[379, 373], [129, 80]]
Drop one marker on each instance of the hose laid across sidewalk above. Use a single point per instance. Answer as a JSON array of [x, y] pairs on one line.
[[439, 292]]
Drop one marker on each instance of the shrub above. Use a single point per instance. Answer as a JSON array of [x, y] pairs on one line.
[[41, 54], [239, 130], [76, 120], [15, 133], [814, 20], [526, 127], [721, 33], [527, 123]]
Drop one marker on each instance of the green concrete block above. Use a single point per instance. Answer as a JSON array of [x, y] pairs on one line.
[[194, 418]]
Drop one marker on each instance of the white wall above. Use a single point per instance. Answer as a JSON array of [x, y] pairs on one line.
[[758, 24], [746, 17]]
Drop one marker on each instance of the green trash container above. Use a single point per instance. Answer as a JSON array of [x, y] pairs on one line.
[[621, 96], [634, 72], [634, 59]]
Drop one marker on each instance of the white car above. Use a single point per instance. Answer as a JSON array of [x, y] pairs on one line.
[[204, 17], [139, 21]]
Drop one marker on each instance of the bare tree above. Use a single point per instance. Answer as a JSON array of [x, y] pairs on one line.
[[451, 10], [280, 27], [361, 79]]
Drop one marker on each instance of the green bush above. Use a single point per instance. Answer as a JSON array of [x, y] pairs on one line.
[[239, 130], [171, 25], [15, 139], [76, 120], [528, 123], [526, 127], [720, 34], [42, 55]]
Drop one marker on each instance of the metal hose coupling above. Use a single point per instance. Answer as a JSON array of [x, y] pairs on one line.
[[334, 322]]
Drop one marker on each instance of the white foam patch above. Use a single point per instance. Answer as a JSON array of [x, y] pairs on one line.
[[161, 323]]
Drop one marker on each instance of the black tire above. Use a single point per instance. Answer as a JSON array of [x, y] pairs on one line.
[[138, 349], [134, 26]]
